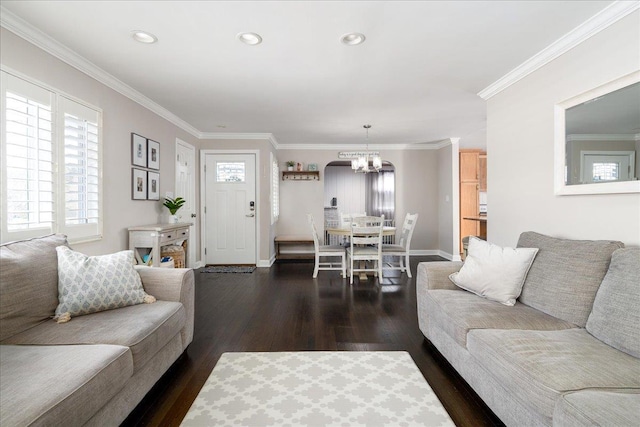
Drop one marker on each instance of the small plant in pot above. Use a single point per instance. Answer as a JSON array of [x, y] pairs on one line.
[[173, 205], [290, 165]]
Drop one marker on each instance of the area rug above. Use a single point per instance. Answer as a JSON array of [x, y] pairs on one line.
[[341, 388], [227, 269]]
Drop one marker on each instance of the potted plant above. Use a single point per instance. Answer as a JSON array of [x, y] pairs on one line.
[[290, 165], [173, 205]]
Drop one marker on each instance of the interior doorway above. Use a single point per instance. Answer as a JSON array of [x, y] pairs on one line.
[[186, 188], [346, 191]]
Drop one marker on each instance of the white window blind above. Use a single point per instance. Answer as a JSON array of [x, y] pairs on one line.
[[27, 160], [275, 190], [51, 168], [81, 159]]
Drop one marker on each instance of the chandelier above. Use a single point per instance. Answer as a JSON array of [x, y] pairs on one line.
[[367, 163]]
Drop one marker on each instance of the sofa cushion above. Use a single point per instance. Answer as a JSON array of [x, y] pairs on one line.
[[615, 317], [458, 312], [42, 385], [88, 284], [493, 272], [598, 408], [537, 367], [29, 283], [144, 328], [565, 275]]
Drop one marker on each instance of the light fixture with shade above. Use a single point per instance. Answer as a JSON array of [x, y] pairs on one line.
[[367, 163]]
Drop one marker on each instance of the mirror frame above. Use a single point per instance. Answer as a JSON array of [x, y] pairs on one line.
[[560, 143]]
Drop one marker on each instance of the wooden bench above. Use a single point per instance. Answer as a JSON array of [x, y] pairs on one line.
[[295, 247]]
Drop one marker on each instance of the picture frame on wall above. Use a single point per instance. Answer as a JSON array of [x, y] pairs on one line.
[[138, 184], [138, 150], [153, 154], [312, 167], [153, 186]]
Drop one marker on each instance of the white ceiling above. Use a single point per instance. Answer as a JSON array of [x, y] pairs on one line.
[[415, 79]]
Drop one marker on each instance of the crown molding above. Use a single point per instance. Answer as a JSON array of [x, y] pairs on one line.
[[241, 135], [603, 137], [38, 38], [603, 19], [416, 146]]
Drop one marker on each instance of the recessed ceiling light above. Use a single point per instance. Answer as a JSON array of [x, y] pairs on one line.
[[353, 39], [143, 36], [250, 38]]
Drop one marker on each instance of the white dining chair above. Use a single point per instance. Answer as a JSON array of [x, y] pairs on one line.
[[366, 247], [401, 250], [326, 251]]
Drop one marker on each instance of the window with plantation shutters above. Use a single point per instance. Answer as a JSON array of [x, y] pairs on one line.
[[50, 156], [27, 159], [80, 156]]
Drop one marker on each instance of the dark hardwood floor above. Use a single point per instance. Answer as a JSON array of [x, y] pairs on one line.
[[283, 309]]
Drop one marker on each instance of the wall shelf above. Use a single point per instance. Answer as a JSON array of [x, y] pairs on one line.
[[300, 175]]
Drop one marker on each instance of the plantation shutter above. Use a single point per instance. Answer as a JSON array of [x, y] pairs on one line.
[[80, 157], [28, 174]]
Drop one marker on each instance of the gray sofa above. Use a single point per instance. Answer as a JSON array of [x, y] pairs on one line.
[[567, 354], [96, 368]]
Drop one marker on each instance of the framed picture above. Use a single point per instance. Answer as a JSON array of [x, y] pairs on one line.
[[153, 186], [312, 167], [153, 154], [138, 150], [138, 184]]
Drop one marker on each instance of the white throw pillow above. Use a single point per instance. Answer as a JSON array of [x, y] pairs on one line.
[[88, 284], [493, 272]]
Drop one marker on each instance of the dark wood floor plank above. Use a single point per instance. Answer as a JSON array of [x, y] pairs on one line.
[[283, 308]]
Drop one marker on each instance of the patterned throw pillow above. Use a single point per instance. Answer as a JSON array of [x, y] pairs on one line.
[[88, 284]]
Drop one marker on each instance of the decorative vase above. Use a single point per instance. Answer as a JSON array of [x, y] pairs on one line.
[[174, 219], [290, 168]]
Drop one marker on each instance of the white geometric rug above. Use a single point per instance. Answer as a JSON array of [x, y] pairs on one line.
[[337, 388]]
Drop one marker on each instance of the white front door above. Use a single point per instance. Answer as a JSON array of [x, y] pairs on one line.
[[186, 188], [230, 209], [607, 166]]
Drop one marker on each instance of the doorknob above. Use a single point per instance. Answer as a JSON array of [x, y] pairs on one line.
[[250, 215], [193, 215]]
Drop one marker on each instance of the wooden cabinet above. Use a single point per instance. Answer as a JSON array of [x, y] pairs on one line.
[[482, 172], [473, 179]]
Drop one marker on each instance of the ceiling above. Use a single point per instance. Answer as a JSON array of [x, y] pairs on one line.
[[415, 79]]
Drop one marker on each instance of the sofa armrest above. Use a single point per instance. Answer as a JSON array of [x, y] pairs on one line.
[[435, 275], [172, 284], [432, 275]]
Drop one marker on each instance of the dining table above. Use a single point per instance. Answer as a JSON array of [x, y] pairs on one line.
[[346, 231]]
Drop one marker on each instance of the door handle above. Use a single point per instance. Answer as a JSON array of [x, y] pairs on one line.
[[250, 215], [193, 215]]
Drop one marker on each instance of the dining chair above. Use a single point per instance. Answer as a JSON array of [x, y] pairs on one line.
[[401, 250], [366, 246], [326, 251]]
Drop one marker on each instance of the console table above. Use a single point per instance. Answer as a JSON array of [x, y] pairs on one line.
[[149, 239]]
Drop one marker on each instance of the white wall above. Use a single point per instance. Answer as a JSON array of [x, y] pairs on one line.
[[520, 131], [121, 116], [445, 201]]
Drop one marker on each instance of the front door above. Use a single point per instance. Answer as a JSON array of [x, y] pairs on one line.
[[186, 188], [230, 209]]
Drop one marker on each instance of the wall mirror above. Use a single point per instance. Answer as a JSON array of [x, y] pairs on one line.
[[597, 140]]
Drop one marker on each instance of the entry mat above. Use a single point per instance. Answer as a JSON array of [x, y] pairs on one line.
[[296, 389], [227, 269]]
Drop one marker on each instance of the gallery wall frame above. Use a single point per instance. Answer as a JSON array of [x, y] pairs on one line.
[[138, 184], [153, 186], [138, 150], [153, 154]]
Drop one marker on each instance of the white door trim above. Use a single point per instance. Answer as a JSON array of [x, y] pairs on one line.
[[455, 196], [192, 232], [203, 194]]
